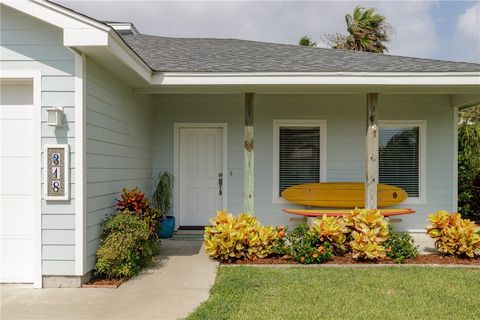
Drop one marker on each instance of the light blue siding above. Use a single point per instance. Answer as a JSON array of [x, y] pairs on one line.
[[118, 146], [345, 116], [29, 44]]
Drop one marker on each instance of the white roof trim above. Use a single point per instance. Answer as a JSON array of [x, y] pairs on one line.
[[316, 78], [55, 14]]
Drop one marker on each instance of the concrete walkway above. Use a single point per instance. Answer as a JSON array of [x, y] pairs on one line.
[[178, 282]]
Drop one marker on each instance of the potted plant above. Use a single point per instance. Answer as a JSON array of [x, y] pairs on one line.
[[162, 199]]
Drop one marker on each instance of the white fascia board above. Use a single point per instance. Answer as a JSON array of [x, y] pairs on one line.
[[316, 78], [118, 47], [54, 14], [84, 37]]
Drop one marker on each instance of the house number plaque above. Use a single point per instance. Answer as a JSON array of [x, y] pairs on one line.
[[56, 172]]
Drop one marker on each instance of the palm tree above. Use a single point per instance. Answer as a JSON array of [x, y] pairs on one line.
[[306, 42], [367, 31]]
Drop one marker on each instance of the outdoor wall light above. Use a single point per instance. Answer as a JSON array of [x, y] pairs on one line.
[[55, 117]]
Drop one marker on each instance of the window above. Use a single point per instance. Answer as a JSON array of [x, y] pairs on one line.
[[299, 155], [402, 155]]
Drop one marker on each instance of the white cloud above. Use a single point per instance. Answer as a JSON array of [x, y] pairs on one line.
[[413, 26], [468, 34], [272, 21]]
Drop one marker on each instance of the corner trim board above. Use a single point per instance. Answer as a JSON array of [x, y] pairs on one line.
[[80, 165]]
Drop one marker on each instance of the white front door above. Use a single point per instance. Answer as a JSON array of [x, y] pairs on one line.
[[201, 170], [16, 186]]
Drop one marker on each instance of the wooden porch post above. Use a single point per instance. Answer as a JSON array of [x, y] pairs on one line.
[[371, 152], [248, 182]]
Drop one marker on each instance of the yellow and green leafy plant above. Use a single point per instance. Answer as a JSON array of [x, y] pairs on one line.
[[454, 235], [332, 230], [369, 230], [232, 237]]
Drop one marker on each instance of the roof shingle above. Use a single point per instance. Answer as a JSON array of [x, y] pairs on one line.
[[232, 55]]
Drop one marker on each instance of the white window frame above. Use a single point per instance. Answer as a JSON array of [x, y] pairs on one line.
[[276, 199], [422, 167]]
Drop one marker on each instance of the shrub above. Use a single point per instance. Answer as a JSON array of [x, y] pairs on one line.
[[400, 246], [305, 246], [454, 235], [368, 230], [126, 246], [232, 237], [280, 246], [469, 164], [135, 201], [332, 230]]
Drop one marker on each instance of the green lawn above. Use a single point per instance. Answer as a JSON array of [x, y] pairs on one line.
[[338, 293]]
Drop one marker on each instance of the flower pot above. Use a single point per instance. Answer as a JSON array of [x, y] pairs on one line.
[[165, 227]]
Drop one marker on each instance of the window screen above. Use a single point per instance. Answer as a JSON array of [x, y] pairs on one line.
[[299, 159], [399, 158]]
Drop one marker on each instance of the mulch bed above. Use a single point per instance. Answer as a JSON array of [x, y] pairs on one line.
[[104, 283], [425, 259]]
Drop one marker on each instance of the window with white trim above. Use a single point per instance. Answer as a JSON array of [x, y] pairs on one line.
[[298, 153], [401, 151]]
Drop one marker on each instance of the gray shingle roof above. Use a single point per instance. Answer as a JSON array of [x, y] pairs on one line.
[[232, 55]]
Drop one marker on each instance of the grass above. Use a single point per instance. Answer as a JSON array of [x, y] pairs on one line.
[[342, 293]]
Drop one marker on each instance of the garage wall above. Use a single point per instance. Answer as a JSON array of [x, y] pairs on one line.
[[118, 147], [29, 44]]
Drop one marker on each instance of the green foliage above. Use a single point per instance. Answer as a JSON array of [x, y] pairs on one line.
[[126, 246], [162, 195], [469, 164], [306, 42], [305, 246], [454, 235], [232, 237], [135, 201], [367, 31], [400, 246]]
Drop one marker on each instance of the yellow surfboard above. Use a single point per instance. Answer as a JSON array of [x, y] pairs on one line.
[[341, 195]]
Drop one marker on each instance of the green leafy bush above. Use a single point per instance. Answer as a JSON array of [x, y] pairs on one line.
[[232, 237], [400, 246], [126, 246], [305, 246], [469, 164], [136, 202]]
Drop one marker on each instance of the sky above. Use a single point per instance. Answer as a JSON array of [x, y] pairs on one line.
[[446, 30]]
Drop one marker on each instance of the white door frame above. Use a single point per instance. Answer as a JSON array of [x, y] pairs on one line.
[[176, 161], [36, 77]]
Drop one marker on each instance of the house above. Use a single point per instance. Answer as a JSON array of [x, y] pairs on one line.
[[89, 107]]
